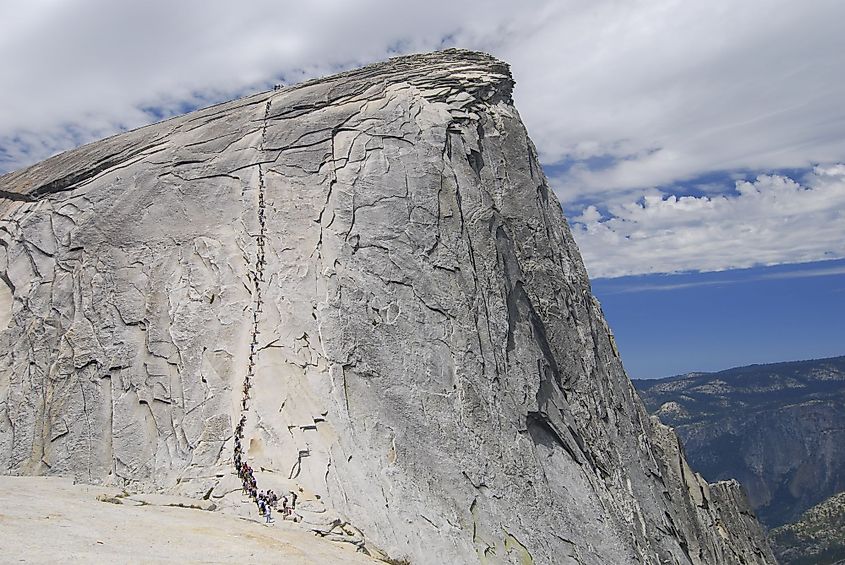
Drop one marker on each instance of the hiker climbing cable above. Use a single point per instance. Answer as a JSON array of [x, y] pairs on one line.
[[264, 501]]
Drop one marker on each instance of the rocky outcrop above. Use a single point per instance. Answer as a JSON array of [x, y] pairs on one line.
[[779, 429], [379, 255]]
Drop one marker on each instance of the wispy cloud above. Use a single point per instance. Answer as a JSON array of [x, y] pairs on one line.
[[822, 272], [682, 281], [659, 287]]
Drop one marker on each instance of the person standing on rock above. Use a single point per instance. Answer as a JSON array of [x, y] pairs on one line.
[[268, 516]]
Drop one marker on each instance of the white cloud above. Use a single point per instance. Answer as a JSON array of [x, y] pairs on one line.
[[820, 272], [658, 287], [745, 276], [672, 88], [661, 91], [772, 220]]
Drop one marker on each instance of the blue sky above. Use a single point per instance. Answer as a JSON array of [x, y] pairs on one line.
[[706, 139], [669, 325]]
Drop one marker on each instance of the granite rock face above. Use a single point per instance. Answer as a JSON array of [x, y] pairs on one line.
[[380, 251]]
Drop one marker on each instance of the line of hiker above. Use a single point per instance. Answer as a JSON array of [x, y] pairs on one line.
[[266, 502]]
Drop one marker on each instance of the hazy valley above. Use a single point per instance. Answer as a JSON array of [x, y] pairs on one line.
[[779, 429]]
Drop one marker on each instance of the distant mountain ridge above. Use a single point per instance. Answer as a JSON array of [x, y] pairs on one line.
[[777, 428]]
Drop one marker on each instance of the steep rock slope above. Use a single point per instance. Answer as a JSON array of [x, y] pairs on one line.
[[379, 256], [778, 428]]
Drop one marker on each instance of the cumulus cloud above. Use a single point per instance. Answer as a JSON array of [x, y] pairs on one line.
[[771, 220], [666, 89], [622, 97]]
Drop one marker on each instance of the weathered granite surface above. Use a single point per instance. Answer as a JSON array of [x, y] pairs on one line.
[[430, 369]]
